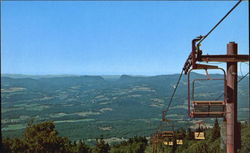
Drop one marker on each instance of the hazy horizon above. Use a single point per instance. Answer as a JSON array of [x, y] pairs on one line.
[[87, 74], [102, 74]]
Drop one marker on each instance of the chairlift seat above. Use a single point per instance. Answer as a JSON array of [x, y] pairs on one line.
[[179, 141], [199, 135], [168, 143], [208, 109]]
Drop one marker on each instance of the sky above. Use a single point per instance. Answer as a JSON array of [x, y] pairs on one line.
[[115, 37]]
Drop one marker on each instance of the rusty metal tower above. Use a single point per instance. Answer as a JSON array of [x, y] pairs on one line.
[[231, 58]]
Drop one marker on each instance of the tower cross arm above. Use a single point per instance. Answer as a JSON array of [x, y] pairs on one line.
[[223, 58]]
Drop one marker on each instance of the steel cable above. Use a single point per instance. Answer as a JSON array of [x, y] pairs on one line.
[[219, 22], [173, 94], [237, 82]]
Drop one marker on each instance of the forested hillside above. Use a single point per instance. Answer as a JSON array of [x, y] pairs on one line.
[[116, 107]]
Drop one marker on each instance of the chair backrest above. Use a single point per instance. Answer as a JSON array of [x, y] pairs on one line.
[[199, 135]]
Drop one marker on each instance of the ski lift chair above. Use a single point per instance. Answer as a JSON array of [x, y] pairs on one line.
[[167, 135], [169, 140], [168, 143], [199, 134], [179, 139], [206, 108]]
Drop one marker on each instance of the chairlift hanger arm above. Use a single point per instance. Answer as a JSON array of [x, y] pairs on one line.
[[191, 60], [196, 55]]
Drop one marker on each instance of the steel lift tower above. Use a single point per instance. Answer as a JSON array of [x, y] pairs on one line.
[[231, 58]]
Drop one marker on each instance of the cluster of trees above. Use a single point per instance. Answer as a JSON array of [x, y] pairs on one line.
[[43, 138], [133, 145]]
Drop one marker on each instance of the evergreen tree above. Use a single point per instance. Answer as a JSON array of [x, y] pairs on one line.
[[200, 147], [216, 131], [182, 132], [174, 147], [190, 135], [43, 137], [82, 147], [14, 145], [38, 138], [101, 146]]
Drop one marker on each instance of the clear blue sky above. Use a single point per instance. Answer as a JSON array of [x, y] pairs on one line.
[[115, 37]]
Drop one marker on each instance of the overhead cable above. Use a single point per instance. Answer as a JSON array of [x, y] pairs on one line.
[[204, 37], [175, 88]]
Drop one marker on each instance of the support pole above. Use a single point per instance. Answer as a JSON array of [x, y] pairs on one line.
[[231, 107]]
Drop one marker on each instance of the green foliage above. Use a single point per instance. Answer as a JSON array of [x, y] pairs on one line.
[[214, 147], [182, 131], [101, 146], [200, 147], [216, 131], [42, 138], [14, 145], [245, 138], [133, 145], [174, 147], [82, 147], [190, 135]]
